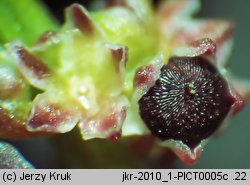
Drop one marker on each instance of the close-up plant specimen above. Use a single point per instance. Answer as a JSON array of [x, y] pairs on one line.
[[137, 71]]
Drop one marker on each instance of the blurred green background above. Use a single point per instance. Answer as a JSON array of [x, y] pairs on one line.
[[229, 150]]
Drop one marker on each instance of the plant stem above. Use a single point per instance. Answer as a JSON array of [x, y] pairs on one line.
[[24, 20]]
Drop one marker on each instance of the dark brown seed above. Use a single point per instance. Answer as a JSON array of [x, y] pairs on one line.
[[188, 102]]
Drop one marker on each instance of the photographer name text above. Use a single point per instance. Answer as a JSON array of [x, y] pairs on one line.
[[41, 177]]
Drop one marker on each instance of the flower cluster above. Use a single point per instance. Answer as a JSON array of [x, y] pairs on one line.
[[124, 70]]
